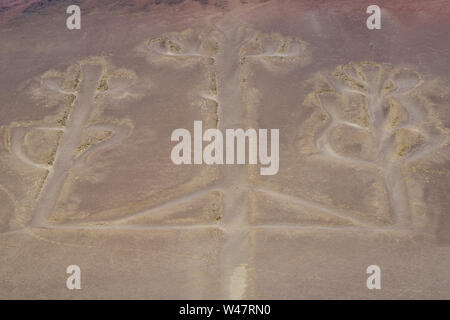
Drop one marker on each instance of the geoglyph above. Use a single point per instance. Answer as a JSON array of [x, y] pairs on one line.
[[362, 145]]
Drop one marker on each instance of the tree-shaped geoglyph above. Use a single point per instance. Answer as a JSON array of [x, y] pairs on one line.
[[370, 115], [59, 143], [229, 53], [224, 102]]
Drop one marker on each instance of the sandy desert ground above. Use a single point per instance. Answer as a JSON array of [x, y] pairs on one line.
[[86, 176]]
